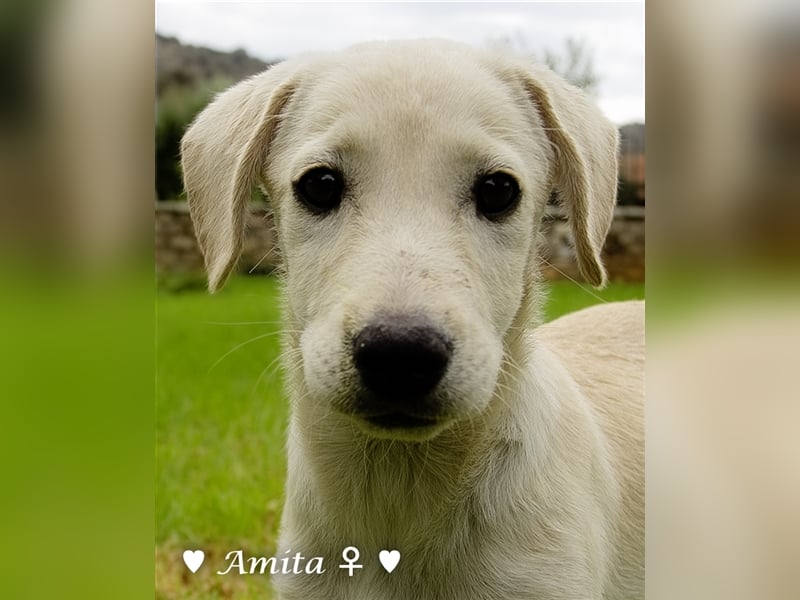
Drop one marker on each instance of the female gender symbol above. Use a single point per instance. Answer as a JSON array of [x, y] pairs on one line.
[[350, 556]]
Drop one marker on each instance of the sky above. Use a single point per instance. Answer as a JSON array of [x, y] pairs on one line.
[[612, 31]]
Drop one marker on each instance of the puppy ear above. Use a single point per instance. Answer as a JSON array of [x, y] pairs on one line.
[[222, 154], [585, 176]]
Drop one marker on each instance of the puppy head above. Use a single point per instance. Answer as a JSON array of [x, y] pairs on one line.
[[407, 181]]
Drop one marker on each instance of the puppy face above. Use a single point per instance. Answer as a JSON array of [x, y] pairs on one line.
[[407, 181], [405, 195]]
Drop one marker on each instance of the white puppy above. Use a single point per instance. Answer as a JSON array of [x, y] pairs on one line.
[[430, 413]]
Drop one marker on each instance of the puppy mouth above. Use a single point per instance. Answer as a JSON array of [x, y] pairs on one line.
[[399, 420], [397, 414]]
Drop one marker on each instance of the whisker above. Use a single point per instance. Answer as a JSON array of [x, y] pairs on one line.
[[274, 366], [255, 266], [584, 288], [273, 323], [238, 346]]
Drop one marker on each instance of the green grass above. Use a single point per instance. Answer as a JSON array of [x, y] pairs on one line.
[[221, 418], [565, 296]]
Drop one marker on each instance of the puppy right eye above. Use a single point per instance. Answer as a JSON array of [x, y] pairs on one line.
[[320, 189]]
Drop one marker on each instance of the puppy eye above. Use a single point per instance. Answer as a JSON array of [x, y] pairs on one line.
[[496, 195], [320, 189]]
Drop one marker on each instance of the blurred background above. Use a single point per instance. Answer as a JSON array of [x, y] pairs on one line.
[[723, 241], [78, 185]]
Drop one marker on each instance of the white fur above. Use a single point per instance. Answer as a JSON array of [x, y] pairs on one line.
[[530, 485]]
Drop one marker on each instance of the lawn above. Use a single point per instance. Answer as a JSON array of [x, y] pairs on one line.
[[220, 428]]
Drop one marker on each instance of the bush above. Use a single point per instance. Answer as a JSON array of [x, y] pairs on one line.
[[177, 107]]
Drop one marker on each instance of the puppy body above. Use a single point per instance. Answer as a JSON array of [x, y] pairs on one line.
[[542, 497], [521, 477]]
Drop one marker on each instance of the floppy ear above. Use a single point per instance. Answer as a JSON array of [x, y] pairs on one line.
[[585, 145], [222, 153]]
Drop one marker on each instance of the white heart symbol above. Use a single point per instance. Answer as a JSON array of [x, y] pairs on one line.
[[194, 559], [389, 559]]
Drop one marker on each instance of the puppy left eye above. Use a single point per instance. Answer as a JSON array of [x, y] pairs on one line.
[[496, 195]]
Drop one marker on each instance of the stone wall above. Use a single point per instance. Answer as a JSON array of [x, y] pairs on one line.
[[177, 251], [623, 252]]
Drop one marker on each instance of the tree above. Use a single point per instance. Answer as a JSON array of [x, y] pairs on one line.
[[576, 64]]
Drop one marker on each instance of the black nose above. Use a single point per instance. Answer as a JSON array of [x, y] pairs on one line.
[[401, 358]]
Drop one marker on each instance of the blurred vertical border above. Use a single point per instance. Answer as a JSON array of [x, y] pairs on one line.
[[76, 298], [723, 235]]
